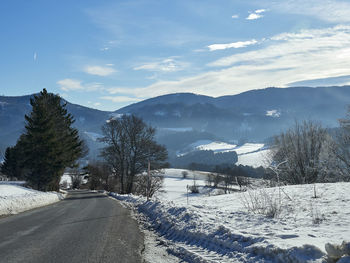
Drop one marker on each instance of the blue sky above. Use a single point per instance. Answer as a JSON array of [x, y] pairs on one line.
[[107, 54]]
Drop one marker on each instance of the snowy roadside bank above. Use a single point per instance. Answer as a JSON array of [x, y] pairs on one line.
[[219, 229], [15, 199]]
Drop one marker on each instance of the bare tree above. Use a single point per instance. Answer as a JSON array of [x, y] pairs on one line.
[[100, 176], [340, 147], [76, 178], [130, 145], [148, 186], [210, 179], [298, 152]]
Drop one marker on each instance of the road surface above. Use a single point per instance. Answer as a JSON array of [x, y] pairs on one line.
[[85, 227]]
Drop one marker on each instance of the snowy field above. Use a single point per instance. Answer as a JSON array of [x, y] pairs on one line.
[[252, 154], [254, 159], [15, 199], [221, 229]]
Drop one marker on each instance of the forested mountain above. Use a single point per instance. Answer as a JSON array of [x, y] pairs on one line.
[[184, 117], [254, 115]]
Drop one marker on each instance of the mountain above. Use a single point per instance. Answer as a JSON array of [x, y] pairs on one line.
[[254, 115], [184, 118]]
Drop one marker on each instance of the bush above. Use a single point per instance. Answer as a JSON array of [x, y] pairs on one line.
[[262, 202], [194, 189], [141, 185]]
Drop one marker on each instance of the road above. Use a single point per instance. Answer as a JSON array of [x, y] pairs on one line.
[[85, 227]]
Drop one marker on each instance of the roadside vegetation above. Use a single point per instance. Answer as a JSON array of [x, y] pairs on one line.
[[47, 147]]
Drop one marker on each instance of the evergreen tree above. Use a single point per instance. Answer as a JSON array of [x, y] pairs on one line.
[[49, 144], [11, 165]]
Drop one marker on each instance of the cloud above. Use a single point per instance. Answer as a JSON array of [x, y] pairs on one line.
[[239, 44], [235, 16], [120, 99], [314, 42], [164, 65], [256, 14], [330, 11], [99, 70], [284, 59], [74, 85], [259, 11], [35, 56]]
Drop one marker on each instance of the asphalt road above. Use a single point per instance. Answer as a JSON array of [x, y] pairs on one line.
[[85, 227]]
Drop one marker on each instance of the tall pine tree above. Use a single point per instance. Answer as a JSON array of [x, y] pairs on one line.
[[49, 144], [11, 166]]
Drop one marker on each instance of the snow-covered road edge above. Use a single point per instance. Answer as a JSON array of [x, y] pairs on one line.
[[10, 205], [189, 238]]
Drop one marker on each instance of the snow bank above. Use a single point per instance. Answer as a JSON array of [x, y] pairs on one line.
[[220, 229], [15, 199]]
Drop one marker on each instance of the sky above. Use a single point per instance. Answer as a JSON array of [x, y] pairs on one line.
[[108, 54]]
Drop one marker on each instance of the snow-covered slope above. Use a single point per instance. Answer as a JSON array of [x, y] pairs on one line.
[[252, 154], [254, 159], [221, 229], [15, 199]]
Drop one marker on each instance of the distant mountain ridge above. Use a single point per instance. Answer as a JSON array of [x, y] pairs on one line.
[[183, 118], [253, 115]]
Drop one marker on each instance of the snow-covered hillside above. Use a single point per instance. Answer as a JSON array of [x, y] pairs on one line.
[[15, 198], [252, 154], [221, 228]]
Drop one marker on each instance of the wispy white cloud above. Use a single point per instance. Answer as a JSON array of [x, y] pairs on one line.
[[74, 85], [120, 99], [164, 65], [284, 59], [327, 10], [238, 44], [99, 70], [259, 11], [256, 14], [314, 42], [235, 16]]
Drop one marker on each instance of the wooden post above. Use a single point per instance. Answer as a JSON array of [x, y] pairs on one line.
[[148, 179]]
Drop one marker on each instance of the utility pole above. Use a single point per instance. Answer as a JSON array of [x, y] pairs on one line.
[[148, 179]]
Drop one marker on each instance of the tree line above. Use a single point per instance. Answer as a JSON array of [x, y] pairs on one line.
[[308, 153]]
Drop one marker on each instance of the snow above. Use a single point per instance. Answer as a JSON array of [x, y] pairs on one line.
[[254, 159], [252, 154], [217, 147], [15, 199], [115, 116], [66, 179], [220, 228], [249, 148]]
